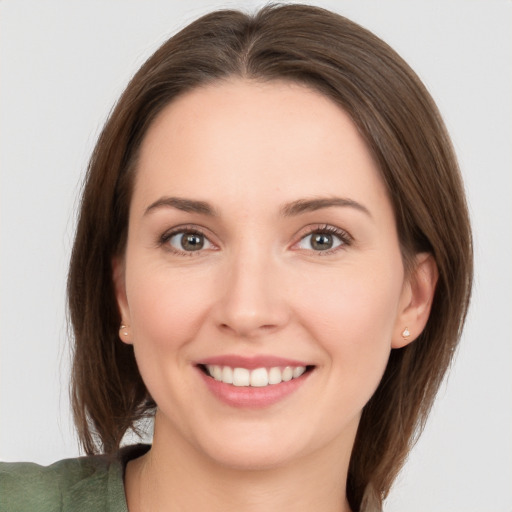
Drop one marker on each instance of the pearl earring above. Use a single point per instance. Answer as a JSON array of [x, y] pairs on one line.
[[406, 333], [125, 333]]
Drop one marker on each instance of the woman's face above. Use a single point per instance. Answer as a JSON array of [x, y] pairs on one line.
[[262, 247]]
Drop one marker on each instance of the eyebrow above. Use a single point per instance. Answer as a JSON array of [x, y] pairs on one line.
[[288, 210], [185, 205], [311, 205]]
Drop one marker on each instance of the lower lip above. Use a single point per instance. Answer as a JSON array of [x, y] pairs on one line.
[[252, 397]]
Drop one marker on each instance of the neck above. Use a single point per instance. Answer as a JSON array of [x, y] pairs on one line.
[[173, 476]]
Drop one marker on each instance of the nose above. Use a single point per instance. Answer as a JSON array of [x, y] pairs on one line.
[[253, 299]]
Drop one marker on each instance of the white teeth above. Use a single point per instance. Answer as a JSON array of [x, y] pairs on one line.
[[298, 371], [287, 374], [241, 377], [259, 377], [227, 375], [274, 376], [217, 373]]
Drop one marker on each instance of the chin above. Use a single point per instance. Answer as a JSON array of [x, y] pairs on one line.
[[252, 456], [263, 446]]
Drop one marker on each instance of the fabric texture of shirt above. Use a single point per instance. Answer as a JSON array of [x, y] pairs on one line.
[[83, 484]]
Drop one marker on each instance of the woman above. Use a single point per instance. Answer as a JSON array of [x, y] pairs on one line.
[[273, 258]]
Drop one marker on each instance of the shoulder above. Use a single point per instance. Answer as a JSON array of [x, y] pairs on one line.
[[80, 484]]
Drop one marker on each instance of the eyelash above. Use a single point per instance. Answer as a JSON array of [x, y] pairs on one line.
[[345, 239], [190, 230], [327, 229]]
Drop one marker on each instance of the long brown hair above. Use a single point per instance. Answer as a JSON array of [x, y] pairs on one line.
[[403, 129]]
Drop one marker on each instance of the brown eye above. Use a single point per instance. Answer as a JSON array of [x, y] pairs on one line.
[[188, 241], [323, 240], [192, 242]]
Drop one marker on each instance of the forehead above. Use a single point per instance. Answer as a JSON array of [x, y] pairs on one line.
[[254, 139]]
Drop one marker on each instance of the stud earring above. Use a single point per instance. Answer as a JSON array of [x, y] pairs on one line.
[[125, 332], [406, 333]]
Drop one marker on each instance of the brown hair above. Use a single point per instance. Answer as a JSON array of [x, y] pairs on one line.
[[402, 127]]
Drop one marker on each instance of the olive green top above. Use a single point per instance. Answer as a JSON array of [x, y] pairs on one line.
[[84, 484]]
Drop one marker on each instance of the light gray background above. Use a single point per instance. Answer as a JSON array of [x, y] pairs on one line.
[[63, 64]]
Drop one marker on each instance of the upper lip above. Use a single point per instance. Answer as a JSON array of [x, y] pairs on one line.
[[262, 361]]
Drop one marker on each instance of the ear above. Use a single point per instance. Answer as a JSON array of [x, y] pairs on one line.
[[118, 277], [416, 300]]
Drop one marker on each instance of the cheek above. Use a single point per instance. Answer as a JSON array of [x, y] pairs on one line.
[[352, 315], [166, 308], [353, 300]]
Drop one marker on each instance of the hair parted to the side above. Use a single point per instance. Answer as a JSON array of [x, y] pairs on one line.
[[404, 131]]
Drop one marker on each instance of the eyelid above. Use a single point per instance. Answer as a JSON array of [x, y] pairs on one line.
[[342, 234], [187, 228]]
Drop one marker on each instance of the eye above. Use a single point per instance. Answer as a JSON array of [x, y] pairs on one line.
[[187, 241], [325, 239]]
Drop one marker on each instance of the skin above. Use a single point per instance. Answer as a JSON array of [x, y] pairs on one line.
[[259, 287]]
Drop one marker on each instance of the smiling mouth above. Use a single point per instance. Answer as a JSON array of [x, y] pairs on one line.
[[257, 377]]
